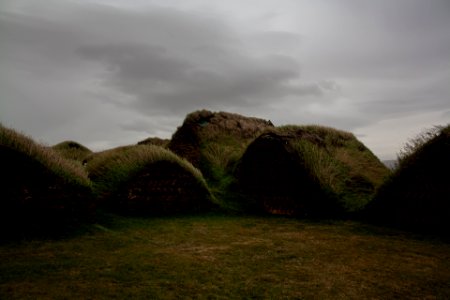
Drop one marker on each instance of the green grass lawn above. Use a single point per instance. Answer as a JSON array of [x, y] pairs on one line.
[[226, 257]]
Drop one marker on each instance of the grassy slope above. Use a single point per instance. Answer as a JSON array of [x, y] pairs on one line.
[[227, 257], [110, 169], [41, 191], [342, 164], [72, 150], [417, 194], [311, 167], [66, 169], [220, 139], [219, 156]]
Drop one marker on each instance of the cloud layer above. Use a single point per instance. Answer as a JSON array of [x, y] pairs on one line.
[[112, 72]]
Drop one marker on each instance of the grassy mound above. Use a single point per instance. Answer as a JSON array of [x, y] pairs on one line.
[[72, 150], [417, 195], [309, 171], [154, 141], [214, 142], [40, 189], [148, 180]]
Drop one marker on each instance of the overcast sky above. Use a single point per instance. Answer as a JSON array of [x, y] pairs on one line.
[[108, 73]]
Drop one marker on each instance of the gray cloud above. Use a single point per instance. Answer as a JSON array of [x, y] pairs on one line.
[[164, 58], [110, 72], [158, 76]]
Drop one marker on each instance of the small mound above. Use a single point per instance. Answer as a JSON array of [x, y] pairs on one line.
[[214, 142], [41, 191], [309, 171], [154, 141], [203, 129], [417, 195], [148, 180], [72, 150]]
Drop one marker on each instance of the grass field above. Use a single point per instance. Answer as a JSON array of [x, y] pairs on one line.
[[226, 257]]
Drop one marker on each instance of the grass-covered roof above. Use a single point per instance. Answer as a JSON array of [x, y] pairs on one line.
[[154, 141], [40, 188], [417, 195], [214, 142], [72, 150], [309, 170], [148, 179]]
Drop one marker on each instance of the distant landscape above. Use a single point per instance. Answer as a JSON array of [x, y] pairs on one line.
[[230, 207]]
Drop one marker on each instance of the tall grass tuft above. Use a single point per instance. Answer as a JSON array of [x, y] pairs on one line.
[[416, 143], [416, 196]]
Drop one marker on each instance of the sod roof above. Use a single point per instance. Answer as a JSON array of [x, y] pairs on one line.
[[154, 141], [72, 150], [40, 188], [309, 171], [148, 180], [417, 195], [214, 142], [202, 131]]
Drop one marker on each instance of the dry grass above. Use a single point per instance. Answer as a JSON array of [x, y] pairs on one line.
[[225, 257], [155, 141], [339, 161], [416, 143], [41, 192], [222, 139], [416, 196], [110, 169], [131, 158], [216, 124], [332, 135], [214, 142], [340, 165], [69, 170], [72, 150]]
